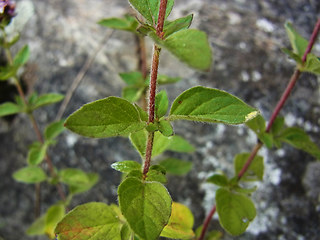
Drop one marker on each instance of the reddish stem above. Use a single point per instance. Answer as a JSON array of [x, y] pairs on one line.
[[206, 222], [153, 85], [274, 115]]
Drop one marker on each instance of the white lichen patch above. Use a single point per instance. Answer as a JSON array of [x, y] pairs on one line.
[[71, 139], [265, 25]]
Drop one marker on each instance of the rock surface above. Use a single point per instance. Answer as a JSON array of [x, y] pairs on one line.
[[246, 36]]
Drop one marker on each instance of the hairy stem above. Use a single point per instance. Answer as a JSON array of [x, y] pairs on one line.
[[153, 85], [274, 115]]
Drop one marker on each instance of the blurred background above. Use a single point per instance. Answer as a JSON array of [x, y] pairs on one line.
[[246, 37]]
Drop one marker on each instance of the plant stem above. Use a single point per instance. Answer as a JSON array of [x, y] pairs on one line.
[[153, 85], [33, 122], [274, 115], [142, 66]]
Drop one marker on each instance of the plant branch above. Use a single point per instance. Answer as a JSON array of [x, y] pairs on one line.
[[153, 85], [274, 115]]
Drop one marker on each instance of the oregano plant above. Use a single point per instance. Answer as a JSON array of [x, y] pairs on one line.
[[145, 208]]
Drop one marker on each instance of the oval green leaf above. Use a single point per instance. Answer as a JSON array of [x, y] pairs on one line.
[[9, 109], [107, 117], [53, 130], [191, 47], [210, 105], [126, 166], [91, 221], [46, 99], [146, 206], [235, 211], [30, 174], [176, 166]]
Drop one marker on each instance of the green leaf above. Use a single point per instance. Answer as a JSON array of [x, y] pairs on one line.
[[235, 211], [143, 114], [292, 55], [128, 23], [277, 126], [149, 9], [165, 128], [145, 205], [8, 72], [179, 144], [93, 178], [132, 78], [37, 154], [126, 166], [163, 79], [254, 172], [267, 139], [177, 25], [73, 176], [210, 105], [53, 130], [191, 47], [312, 64], [139, 141], [219, 180], [257, 124], [9, 108], [161, 104], [298, 43], [245, 190], [54, 215], [180, 223], [91, 221], [22, 56], [107, 117], [30, 174], [299, 139], [47, 99], [157, 174], [132, 94], [176, 166], [37, 227]]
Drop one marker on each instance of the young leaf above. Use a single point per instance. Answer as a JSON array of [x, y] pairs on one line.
[[22, 56], [54, 215], [9, 108], [73, 176], [89, 222], [180, 223], [142, 113], [53, 130], [254, 172], [126, 166], [257, 124], [160, 144], [179, 144], [132, 78], [235, 211], [30, 174], [107, 117], [161, 104], [132, 93], [37, 227], [149, 9], [298, 43], [277, 126], [156, 175], [47, 99], [312, 64], [176, 166], [191, 47], [8, 72], [300, 140], [219, 180], [128, 23], [210, 105], [139, 141], [36, 154], [92, 180], [165, 128], [145, 205], [163, 79], [177, 25], [292, 55]]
